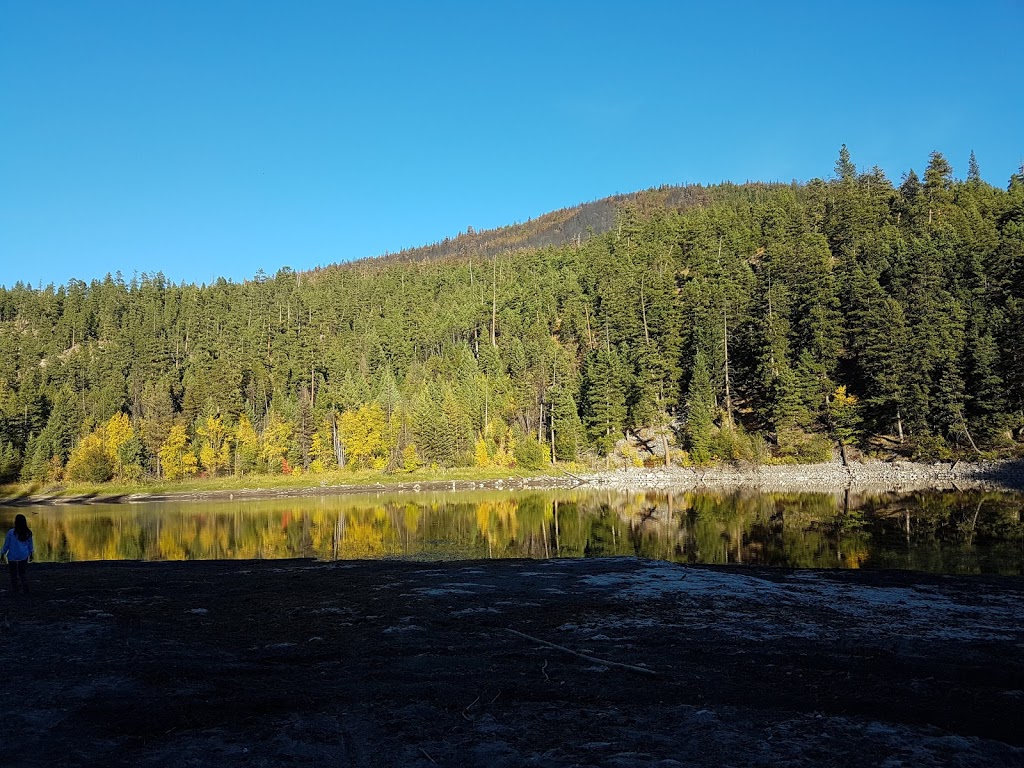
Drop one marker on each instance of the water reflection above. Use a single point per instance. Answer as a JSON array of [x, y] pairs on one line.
[[971, 532]]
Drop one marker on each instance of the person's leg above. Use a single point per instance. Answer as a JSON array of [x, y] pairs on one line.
[[23, 574], [12, 568]]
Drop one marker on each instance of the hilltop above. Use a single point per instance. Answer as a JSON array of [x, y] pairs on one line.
[[566, 226]]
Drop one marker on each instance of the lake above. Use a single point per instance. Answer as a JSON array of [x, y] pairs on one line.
[[943, 532]]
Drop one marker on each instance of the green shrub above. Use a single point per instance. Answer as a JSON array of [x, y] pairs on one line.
[[733, 445], [530, 454], [931, 448], [799, 447]]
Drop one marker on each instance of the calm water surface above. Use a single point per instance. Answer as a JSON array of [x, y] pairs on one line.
[[972, 532]]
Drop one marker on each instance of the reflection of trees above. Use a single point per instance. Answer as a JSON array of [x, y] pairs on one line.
[[972, 532], [966, 532]]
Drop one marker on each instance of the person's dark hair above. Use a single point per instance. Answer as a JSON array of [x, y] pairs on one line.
[[21, 529]]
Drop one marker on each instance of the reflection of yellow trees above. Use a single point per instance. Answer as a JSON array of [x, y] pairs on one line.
[[369, 533], [411, 515], [496, 520], [100, 540], [854, 558], [171, 543], [318, 530], [794, 530]]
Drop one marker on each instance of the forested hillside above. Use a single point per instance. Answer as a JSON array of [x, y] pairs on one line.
[[759, 321]]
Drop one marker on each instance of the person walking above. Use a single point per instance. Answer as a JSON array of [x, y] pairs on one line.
[[18, 550]]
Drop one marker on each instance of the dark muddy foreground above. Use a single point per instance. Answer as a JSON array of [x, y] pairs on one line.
[[412, 664]]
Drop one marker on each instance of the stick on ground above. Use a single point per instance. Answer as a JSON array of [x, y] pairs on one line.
[[582, 655]]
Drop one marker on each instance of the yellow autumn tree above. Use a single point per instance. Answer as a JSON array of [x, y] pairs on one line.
[[275, 442], [176, 456], [410, 458], [117, 434], [321, 449], [504, 456], [247, 446], [480, 456], [362, 434], [215, 451], [844, 419], [90, 461]]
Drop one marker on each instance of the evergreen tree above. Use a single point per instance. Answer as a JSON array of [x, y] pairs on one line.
[[973, 172], [604, 396], [700, 410], [846, 171]]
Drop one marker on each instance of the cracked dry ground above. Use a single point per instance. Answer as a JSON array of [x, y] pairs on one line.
[[401, 663]]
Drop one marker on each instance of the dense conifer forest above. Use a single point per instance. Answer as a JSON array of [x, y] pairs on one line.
[[762, 322]]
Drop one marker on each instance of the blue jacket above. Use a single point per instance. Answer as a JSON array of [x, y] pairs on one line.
[[15, 548]]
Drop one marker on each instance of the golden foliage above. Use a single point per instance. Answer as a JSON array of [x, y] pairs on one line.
[[362, 433], [176, 456]]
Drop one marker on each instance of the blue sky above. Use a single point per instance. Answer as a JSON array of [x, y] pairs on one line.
[[206, 139]]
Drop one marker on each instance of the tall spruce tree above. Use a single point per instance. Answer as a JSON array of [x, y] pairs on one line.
[[700, 410]]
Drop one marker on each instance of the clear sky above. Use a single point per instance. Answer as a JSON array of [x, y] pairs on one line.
[[207, 138]]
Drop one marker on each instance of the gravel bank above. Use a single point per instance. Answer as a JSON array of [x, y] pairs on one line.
[[875, 475]]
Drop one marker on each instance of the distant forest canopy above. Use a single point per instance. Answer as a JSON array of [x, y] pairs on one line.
[[755, 321]]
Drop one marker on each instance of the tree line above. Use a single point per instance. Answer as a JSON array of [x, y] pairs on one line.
[[757, 321]]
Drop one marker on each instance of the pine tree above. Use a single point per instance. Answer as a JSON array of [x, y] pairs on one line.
[[878, 338], [604, 396], [986, 393], [569, 440], [973, 172], [10, 462], [938, 184], [700, 410], [846, 171]]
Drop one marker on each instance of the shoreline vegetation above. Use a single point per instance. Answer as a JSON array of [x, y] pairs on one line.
[[830, 476]]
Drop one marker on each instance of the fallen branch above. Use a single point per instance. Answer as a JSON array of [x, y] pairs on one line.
[[579, 480], [469, 708], [582, 655]]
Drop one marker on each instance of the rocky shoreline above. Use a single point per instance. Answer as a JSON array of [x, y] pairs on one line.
[[879, 475], [832, 476]]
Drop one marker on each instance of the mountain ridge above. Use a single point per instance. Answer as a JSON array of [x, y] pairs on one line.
[[552, 229]]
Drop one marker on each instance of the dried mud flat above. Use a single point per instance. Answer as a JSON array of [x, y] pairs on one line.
[[413, 664]]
